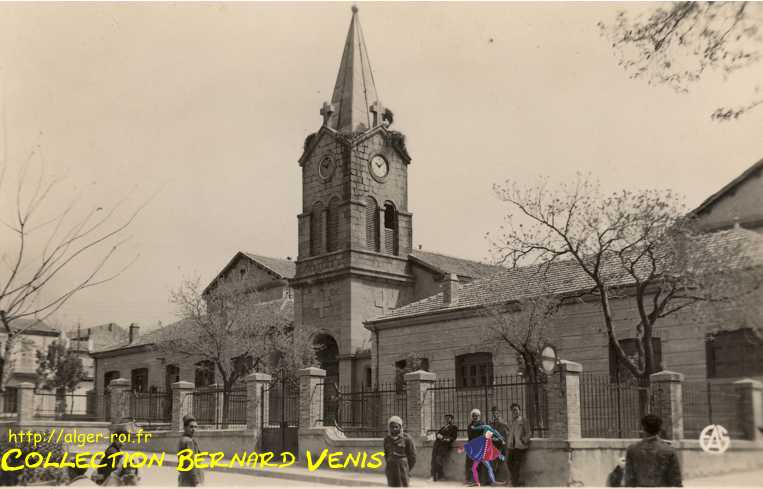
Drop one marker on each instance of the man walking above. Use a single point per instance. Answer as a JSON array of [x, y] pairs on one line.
[[441, 448], [193, 477], [652, 462], [517, 442]]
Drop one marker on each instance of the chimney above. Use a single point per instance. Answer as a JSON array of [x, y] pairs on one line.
[[134, 332], [450, 289]]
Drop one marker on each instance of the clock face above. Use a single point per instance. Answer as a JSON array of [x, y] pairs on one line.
[[326, 168], [379, 167]]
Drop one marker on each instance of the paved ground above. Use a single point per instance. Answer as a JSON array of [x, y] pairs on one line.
[[167, 477]]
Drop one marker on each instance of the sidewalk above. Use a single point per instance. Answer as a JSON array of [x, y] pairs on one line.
[[348, 478]]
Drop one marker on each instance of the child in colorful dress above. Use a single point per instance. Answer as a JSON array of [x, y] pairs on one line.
[[481, 450]]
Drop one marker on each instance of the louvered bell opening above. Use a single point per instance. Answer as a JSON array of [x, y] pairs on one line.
[[372, 224]]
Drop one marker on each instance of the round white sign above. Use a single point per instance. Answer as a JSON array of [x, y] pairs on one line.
[[714, 439], [548, 359]]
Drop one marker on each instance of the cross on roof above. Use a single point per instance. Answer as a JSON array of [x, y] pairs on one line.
[[326, 112], [378, 110]]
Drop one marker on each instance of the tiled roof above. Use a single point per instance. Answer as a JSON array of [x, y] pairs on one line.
[[31, 326], [284, 268], [562, 277], [755, 168], [151, 337], [450, 264]]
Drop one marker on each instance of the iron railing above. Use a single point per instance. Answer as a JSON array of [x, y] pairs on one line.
[[150, 407], [447, 397], [69, 406], [283, 404], [363, 412], [613, 409], [214, 408], [705, 403]]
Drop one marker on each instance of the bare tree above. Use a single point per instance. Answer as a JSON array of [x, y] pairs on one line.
[[51, 245], [228, 327], [630, 246], [524, 326], [679, 44]]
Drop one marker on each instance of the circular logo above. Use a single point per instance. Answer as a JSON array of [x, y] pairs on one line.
[[714, 439], [548, 359]]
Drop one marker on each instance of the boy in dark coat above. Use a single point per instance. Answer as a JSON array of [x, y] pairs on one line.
[[442, 444], [399, 454]]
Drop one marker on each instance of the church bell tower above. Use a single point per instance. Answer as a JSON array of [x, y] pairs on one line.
[[355, 231]]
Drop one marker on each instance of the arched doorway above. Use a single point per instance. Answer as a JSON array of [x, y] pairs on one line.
[[328, 353]]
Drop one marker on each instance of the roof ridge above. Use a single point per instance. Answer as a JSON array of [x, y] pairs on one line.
[[457, 257]]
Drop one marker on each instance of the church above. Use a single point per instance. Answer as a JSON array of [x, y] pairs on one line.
[[376, 302]]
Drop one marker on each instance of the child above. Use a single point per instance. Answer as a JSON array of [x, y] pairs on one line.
[[399, 454], [617, 476], [482, 451]]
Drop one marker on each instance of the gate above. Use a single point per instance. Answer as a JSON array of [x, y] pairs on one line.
[[280, 417]]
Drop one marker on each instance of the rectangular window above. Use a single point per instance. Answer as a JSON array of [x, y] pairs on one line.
[[474, 370], [617, 369], [139, 378], [737, 353]]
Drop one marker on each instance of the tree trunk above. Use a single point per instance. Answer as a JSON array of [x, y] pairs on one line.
[[60, 403], [7, 364], [226, 402]]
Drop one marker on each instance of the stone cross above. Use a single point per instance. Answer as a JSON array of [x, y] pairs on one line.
[[378, 110], [326, 112]]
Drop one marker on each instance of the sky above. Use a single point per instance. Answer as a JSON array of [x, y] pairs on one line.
[[196, 114]]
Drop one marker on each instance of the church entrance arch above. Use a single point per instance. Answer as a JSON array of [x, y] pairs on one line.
[[328, 359]]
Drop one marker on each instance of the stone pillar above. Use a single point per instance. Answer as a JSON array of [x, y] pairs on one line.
[[668, 402], [257, 400], [311, 397], [25, 401], [120, 400], [564, 401], [419, 404], [181, 403], [750, 408]]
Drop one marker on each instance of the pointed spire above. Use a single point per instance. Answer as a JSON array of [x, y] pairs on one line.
[[355, 90]]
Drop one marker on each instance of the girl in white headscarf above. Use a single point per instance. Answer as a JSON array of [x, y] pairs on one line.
[[399, 454]]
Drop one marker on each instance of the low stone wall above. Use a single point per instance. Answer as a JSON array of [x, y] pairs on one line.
[[226, 441], [585, 462]]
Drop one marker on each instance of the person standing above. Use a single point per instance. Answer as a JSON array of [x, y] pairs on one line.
[[517, 443], [442, 445], [474, 429], [194, 476], [652, 461], [499, 465], [399, 454]]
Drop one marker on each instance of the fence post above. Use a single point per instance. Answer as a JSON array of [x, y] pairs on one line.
[[180, 406], [669, 402], [119, 405], [311, 397], [750, 407], [25, 401], [256, 400], [564, 401], [419, 404]]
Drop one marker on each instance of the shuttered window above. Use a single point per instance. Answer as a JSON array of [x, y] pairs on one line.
[[390, 229], [372, 224], [332, 237], [316, 230]]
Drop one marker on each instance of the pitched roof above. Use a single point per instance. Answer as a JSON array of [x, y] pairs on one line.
[[708, 202], [450, 264], [561, 277], [354, 90], [32, 326], [284, 268], [151, 337]]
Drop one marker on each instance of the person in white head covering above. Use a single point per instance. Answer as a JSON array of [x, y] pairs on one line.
[[474, 430], [399, 454]]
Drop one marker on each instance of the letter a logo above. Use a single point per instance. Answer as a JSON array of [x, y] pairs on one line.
[[714, 439]]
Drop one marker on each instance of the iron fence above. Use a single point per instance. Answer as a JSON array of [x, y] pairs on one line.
[[283, 404], [150, 407], [447, 397], [363, 412], [214, 408], [613, 409], [705, 403], [69, 406]]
